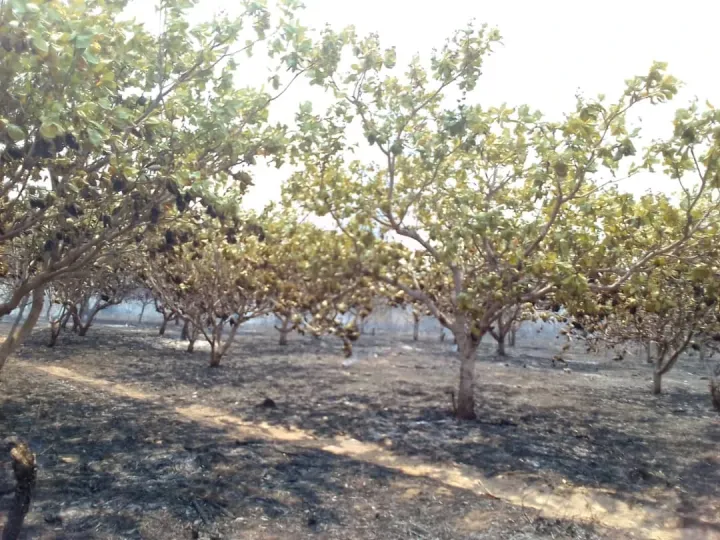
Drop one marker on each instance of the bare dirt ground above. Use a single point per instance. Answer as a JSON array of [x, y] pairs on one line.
[[137, 439]]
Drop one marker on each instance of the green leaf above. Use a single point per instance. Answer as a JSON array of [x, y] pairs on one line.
[[700, 273], [39, 43], [49, 130], [83, 41], [90, 57], [19, 7], [16, 133], [390, 58], [96, 138]]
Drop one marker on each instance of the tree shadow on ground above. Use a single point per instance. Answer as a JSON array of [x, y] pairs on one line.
[[113, 467], [590, 429]]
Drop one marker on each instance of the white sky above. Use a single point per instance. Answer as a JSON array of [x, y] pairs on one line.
[[551, 49]]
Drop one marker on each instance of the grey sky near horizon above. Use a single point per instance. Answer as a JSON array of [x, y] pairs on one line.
[[551, 49]]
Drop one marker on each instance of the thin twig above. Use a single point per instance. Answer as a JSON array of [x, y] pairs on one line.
[[200, 512], [221, 508]]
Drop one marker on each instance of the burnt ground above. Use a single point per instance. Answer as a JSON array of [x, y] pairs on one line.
[[116, 464]]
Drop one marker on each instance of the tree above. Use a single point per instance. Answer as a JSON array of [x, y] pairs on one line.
[[185, 332], [83, 298], [62, 303], [506, 206], [708, 347], [286, 320], [19, 332], [57, 319], [318, 281], [105, 126], [514, 327], [213, 283], [672, 306], [503, 327], [167, 315], [144, 297], [416, 324]]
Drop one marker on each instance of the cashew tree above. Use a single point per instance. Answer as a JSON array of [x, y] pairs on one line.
[[504, 206], [144, 297], [166, 313], [503, 328], [105, 124], [213, 278], [320, 287], [86, 297], [671, 307]]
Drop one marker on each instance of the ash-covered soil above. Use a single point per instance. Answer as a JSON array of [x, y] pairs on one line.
[[117, 466]]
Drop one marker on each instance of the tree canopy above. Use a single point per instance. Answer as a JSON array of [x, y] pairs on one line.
[[502, 205], [123, 146], [105, 126]]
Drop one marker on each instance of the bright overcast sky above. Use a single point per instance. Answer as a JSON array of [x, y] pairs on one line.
[[551, 48]]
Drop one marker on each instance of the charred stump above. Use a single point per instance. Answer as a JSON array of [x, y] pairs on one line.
[[25, 471], [715, 394]]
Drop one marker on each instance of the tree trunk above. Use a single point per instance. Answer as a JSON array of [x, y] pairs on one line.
[[218, 349], [468, 343], [18, 335], [500, 334], [185, 332], [284, 330], [347, 347], [54, 333], [71, 315], [215, 341], [657, 383], [19, 316], [24, 469], [501, 346], [76, 322], [57, 325], [83, 328], [657, 376], [142, 312], [97, 308], [214, 356], [84, 306], [191, 337], [466, 389], [163, 326], [416, 328]]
